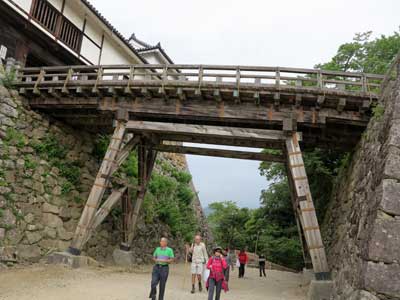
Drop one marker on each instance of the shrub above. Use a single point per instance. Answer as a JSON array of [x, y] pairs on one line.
[[7, 79]]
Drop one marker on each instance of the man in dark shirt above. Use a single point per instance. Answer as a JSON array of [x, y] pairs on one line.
[[261, 265]]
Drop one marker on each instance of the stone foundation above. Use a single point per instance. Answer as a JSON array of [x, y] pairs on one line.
[[362, 225], [40, 206]]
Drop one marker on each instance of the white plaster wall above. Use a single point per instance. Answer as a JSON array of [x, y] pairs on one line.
[[56, 3], [74, 13], [93, 31], [114, 55], [90, 51], [152, 58], [24, 4]]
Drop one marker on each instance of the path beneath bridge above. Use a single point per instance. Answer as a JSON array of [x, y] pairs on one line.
[[57, 282]]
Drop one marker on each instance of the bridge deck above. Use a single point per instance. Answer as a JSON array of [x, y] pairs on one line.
[[330, 108]]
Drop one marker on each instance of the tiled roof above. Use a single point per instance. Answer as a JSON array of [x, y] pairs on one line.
[[134, 38], [113, 29], [156, 47]]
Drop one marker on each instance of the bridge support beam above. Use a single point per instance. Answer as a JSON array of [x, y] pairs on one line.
[[85, 226], [305, 208], [146, 160]]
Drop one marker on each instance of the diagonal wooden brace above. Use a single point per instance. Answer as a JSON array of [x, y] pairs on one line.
[[306, 211], [84, 228], [105, 209]]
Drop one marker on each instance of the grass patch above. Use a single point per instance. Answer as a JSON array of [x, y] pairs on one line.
[[14, 137]]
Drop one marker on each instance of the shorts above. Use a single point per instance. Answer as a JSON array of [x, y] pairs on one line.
[[197, 268]]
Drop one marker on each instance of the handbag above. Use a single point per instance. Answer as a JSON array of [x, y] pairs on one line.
[[237, 263], [206, 274]]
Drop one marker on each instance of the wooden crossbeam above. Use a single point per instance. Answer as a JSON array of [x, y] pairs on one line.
[[219, 153], [262, 135]]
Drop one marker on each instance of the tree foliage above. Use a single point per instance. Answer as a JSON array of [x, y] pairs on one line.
[[365, 54]]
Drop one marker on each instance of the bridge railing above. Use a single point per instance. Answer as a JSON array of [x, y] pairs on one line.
[[197, 76]]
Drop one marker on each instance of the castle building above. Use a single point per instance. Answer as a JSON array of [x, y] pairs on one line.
[[73, 32]]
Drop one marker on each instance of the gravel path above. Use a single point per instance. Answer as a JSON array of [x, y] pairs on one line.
[[61, 283]]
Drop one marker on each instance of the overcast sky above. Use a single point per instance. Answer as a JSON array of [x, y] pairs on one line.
[[289, 33]]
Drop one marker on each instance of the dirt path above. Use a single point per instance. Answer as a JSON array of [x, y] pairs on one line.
[[56, 282]]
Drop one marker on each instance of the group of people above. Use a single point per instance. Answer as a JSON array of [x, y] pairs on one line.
[[216, 268]]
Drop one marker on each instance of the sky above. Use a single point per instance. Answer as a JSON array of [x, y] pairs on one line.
[[289, 33]]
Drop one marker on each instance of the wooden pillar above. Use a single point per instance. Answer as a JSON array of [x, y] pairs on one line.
[[146, 160], [297, 216], [85, 225], [307, 214], [126, 205]]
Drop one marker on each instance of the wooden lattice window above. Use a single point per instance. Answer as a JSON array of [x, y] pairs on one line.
[[53, 20]]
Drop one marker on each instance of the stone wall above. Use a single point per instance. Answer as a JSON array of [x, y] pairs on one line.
[[41, 200], [362, 225]]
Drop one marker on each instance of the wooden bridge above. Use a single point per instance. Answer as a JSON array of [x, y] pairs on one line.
[[157, 108]]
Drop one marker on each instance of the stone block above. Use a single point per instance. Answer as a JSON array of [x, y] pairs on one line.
[[382, 279], [392, 166], [320, 290], [38, 187], [14, 236], [390, 196], [51, 220], [64, 258], [29, 218], [8, 218], [63, 245], [33, 237], [65, 213], [63, 234], [123, 258], [49, 244], [364, 295], [8, 110], [49, 208], [385, 240], [308, 276], [29, 253]]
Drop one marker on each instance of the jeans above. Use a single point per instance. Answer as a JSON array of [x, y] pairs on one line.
[[262, 270], [213, 285], [159, 276], [241, 270]]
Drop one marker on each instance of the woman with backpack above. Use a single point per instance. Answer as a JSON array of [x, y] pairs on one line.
[[216, 281]]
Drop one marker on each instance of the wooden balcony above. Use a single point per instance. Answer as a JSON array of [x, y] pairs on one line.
[[57, 24]]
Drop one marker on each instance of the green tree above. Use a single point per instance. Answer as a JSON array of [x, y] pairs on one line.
[[365, 54]]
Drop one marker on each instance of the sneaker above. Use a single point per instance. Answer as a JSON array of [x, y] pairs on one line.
[[193, 290], [200, 287]]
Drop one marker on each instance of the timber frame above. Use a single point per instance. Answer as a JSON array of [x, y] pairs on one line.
[[149, 138], [162, 108]]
